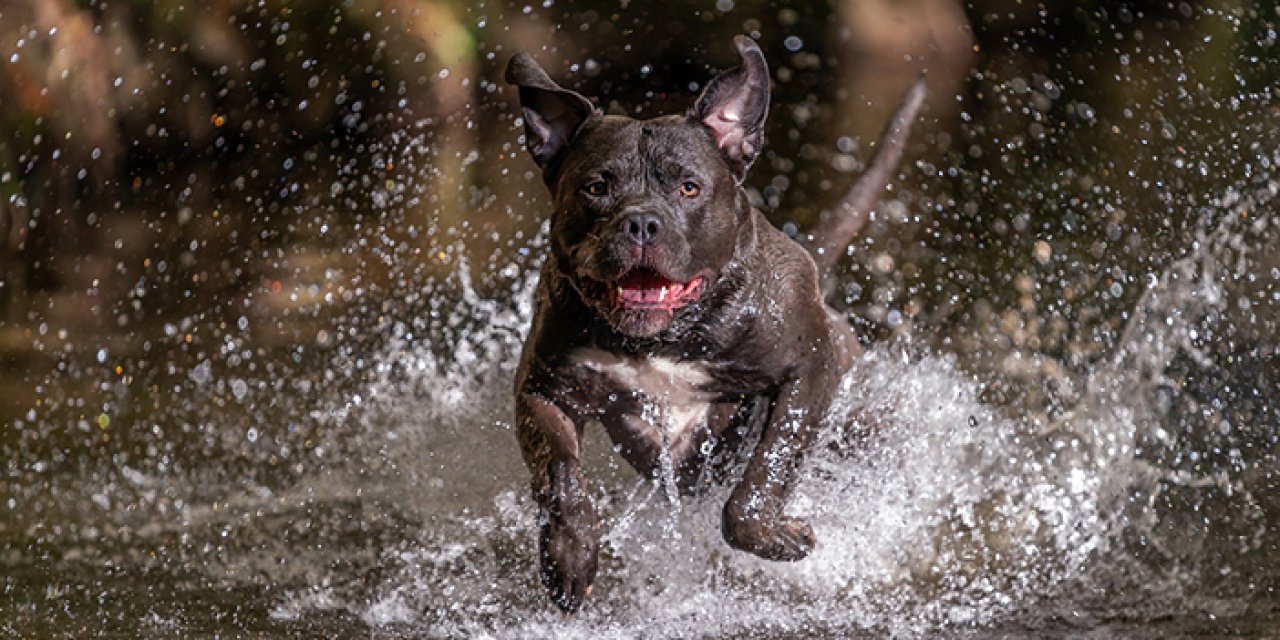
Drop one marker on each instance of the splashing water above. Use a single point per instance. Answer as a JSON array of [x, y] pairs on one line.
[[208, 470], [933, 510]]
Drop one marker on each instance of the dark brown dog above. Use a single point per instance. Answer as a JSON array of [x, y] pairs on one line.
[[673, 313]]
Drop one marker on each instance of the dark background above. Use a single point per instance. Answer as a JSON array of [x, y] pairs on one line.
[[175, 162], [272, 185]]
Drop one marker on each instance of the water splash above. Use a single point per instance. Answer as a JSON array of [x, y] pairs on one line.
[[933, 510]]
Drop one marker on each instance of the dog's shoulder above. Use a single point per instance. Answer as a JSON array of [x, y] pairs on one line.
[[784, 268]]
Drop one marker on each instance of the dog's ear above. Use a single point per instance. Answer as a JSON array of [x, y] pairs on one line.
[[734, 106], [552, 114]]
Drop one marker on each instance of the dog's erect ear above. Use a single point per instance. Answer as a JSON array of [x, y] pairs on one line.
[[734, 105], [552, 114]]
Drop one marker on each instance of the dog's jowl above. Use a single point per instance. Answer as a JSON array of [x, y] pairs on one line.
[[673, 313]]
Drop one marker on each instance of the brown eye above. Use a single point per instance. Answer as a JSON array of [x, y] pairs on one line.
[[690, 189], [596, 188]]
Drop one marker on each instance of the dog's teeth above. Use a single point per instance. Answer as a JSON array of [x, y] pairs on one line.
[[662, 295]]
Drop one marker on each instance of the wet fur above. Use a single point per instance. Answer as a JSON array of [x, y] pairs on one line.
[[756, 359]]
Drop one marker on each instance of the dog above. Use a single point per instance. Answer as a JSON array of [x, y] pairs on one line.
[[674, 314]]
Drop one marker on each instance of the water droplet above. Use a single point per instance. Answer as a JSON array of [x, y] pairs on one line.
[[201, 373]]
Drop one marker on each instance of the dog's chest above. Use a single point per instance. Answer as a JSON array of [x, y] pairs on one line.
[[672, 394]]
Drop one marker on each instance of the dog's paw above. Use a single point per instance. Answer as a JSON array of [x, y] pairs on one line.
[[569, 552], [784, 539]]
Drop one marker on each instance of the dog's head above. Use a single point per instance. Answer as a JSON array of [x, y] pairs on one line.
[[647, 212]]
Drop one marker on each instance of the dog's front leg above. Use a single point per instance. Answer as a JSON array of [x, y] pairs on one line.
[[569, 542], [753, 516]]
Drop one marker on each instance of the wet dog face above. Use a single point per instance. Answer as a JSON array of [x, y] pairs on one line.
[[647, 213], [646, 217]]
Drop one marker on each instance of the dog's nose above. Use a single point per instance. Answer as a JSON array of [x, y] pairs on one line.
[[643, 228]]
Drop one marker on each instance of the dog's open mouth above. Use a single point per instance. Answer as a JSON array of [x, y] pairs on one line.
[[643, 289]]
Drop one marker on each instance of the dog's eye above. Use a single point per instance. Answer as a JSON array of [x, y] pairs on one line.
[[690, 189], [596, 188]]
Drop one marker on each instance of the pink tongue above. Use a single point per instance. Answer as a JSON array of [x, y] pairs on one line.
[[643, 286]]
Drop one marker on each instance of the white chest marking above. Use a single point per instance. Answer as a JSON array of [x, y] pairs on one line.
[[671, 391]]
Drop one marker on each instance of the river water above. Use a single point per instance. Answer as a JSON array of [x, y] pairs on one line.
[[244, 465], [266, 498]]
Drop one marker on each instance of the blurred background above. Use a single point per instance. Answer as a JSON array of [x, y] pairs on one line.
[[214, 216], [184, 164]]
